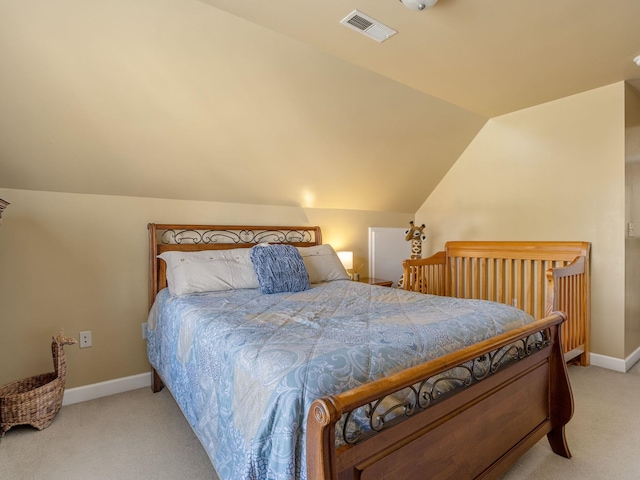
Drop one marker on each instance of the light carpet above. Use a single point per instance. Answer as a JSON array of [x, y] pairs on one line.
[[141, 435]]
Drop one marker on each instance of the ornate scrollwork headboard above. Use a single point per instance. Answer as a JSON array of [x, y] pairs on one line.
[[166, 237]]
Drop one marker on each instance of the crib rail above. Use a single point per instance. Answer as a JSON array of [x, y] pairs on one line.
[[537, 277], [568, 292], [426, 275]]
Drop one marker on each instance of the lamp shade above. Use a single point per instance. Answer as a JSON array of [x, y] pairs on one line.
[[347, 259]]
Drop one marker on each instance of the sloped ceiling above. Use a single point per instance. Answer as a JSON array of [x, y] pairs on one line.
[[275, 102], [488, 56]]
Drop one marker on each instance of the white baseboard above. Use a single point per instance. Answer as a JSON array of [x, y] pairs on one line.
[[104, 389], [632, 359], [617, 364], [142, 380]]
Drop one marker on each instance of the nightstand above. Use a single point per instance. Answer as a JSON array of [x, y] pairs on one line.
[[376, 281]]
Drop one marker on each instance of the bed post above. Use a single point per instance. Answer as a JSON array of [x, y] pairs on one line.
[[156, 381], [153, 263], [321, 432], [561, 405]]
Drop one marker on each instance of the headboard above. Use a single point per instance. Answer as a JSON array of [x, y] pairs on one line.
[[183, 237]]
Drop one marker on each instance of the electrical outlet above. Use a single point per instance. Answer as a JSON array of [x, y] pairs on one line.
[[85, 339], [514, 302], [145, 334]]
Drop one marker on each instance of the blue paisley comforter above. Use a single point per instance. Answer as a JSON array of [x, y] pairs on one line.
[[245, 367]]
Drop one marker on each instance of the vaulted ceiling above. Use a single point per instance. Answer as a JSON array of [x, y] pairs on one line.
[[276, 102]]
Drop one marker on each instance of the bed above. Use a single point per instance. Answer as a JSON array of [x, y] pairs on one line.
[[346, 380]]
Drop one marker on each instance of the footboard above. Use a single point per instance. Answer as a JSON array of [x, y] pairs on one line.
[[475, 431], [538, 277]]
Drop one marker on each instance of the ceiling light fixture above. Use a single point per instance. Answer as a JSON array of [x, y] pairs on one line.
[[637, 60], [417, 5]]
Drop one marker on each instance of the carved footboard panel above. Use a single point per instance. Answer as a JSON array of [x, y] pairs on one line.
[[538, 277], [498, 413]]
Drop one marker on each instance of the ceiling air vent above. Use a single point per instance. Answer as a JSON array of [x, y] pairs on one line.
[[368, 26]]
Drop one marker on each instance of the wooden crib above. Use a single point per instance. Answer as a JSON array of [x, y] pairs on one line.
[[538, 277]]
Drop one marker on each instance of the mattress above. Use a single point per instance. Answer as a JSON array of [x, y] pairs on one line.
[[244, 367]]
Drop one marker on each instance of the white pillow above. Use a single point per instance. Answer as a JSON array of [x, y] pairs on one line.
[[209, 271], [322, 264]]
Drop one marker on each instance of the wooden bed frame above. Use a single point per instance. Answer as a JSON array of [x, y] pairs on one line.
[[474, 432], [538, 277]]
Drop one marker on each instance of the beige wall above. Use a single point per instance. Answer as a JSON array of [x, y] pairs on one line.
[[632, 242], [79, 262], [550, 172]]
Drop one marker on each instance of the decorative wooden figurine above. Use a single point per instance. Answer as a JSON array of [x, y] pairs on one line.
[[415, 235]]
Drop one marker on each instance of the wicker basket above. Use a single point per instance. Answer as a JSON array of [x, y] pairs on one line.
[[36, 400]]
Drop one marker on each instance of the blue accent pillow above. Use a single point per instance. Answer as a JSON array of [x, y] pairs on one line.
[[279, 268]]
